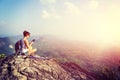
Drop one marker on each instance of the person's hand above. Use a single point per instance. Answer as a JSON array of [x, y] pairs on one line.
[[33, 40]]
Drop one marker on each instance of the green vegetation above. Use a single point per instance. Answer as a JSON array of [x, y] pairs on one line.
[[2, 55]]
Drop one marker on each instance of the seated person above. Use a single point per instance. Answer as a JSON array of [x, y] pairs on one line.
[[26, 45]]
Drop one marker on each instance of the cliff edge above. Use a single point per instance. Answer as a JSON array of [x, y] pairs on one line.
[[17, 67]]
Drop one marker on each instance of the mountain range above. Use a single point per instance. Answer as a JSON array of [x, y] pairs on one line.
[[96, 59]]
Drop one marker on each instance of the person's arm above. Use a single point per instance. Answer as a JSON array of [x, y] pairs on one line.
[[27, 44], [31, 43]]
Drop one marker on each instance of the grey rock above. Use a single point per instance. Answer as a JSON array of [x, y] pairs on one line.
[[16, 67]]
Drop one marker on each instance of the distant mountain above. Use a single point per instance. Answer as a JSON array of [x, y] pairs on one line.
[[92, 57], [5, 44], [52, 46]]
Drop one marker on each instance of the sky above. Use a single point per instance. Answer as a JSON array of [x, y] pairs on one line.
[[83, 20]]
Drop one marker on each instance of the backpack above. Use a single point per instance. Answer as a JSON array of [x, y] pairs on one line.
[[18, 46]]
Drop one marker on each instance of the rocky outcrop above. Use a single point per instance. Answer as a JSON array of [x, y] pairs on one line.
[[33, 68]]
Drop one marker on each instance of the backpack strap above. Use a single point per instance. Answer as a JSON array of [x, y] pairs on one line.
[[21, 44]]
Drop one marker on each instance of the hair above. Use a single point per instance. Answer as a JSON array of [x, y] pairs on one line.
[[26, 33]]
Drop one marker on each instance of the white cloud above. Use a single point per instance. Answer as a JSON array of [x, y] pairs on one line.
[[72, 8], [93, 4], [47, 15], [48, 1], [49, 9], [11, 46]]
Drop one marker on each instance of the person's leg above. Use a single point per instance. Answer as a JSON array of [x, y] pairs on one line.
[[32, 51], [29, 51]]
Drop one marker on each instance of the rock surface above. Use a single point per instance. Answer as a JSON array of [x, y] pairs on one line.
[[33, 68]]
